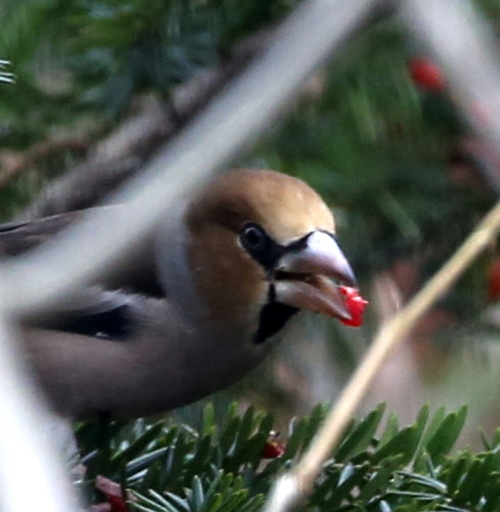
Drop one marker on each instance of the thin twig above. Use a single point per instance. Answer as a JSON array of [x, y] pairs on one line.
[[391, 333]]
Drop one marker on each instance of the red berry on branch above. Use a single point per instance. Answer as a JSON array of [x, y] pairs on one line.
[[426, 75], [115, 501], [355, 304], [273, 448], [118, 504]]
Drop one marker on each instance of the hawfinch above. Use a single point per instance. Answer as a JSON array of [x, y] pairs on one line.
[[213, 293]]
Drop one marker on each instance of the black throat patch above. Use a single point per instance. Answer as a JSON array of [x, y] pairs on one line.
[[273, 317]]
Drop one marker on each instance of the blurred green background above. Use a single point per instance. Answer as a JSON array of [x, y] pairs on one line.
[[101, 84]]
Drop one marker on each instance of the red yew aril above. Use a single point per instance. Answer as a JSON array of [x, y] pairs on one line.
[[355, 304], [426, 75]]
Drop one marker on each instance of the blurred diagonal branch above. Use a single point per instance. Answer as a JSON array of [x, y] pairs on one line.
[[42, 280], [130, 146]]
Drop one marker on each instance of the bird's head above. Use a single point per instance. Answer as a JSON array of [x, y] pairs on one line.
[[261, 246]]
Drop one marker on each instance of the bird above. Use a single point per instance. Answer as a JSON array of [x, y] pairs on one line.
[[220, 283]]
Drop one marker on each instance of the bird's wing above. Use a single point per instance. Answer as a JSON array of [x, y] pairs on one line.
[[97, 313], [18, 237], [104, 311], [136, 271]]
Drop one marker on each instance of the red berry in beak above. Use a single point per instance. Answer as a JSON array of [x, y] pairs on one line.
[[355, 305]]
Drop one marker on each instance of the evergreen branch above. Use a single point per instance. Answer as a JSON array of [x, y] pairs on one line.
[[174, 468], [4, 75]]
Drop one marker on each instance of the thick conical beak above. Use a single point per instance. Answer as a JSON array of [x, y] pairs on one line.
[[308, 278]]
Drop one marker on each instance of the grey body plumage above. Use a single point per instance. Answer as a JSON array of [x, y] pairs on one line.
[[196, 308]]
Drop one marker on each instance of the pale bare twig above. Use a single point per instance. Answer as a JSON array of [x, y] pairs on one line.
[[391, 333], [451, 29]]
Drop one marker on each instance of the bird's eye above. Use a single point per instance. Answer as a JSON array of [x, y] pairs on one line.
[[253, 237], [261, 247]]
